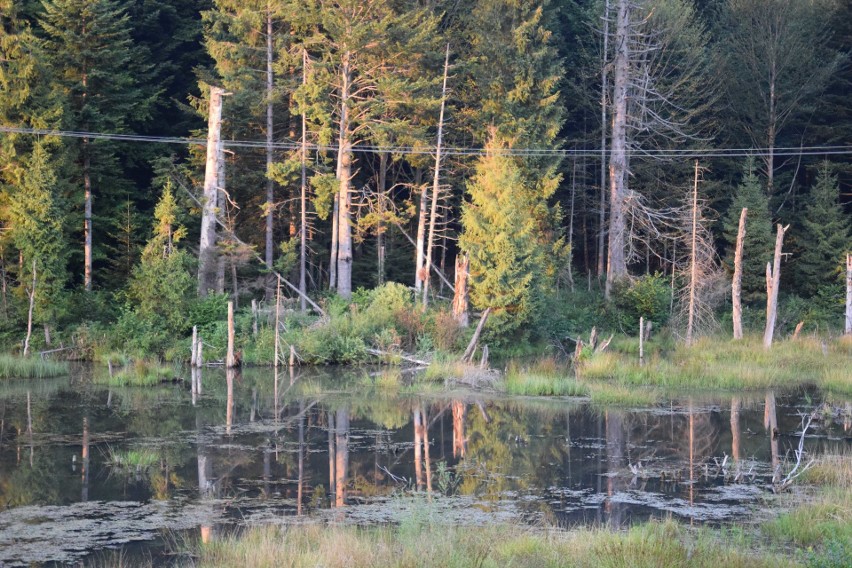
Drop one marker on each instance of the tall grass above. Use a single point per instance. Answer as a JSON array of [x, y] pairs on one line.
[[727, 364], [413, 545], [12, 367]]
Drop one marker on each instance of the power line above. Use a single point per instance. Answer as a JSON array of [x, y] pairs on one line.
[[455, 151]]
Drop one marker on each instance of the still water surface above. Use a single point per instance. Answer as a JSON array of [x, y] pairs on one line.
[[331, 445]]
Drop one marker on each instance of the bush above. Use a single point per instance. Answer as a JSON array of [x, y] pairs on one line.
[[648, 296]]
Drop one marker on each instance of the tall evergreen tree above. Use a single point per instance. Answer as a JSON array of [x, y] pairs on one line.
[[825, 238], [97, 71], [759, 241], [501, 233]]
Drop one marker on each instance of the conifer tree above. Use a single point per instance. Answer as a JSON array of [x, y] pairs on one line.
[[102, 80], [759, 241], [35, 222], [501, 235], [825, 237]]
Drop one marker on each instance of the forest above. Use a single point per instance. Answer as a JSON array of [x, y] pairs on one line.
[[374, 177]]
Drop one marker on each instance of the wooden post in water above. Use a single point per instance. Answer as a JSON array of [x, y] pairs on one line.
[[773, 280], [194, 351], [230, 360], [199, 355]]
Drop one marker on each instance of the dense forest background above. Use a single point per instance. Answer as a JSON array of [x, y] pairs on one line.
[[580, 144]]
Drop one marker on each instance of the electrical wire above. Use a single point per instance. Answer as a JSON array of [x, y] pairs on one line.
[[454, 151]]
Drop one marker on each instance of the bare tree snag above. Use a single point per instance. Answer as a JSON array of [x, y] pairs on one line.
[[419, 274], [230, 360], [773, 280], [641, 340], [604, 93], [798, 330], [31, 293], [460, 312], [303, 198], [207, 256], [194, 351], [737, 284], [344, 175], [848, 294], [693, 261], [436, 185], [277, 320], [270, 186], [471, 347], [616, 261], [602, 347]]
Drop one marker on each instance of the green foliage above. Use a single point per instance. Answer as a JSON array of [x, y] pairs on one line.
[[502, 237], [30, 368], [825, 239], [759, 241], [648, 296]]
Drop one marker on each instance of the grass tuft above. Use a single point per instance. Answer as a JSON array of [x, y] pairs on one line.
[[12, 367]]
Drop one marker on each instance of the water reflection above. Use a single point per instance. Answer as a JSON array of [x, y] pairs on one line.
[[251, 448]]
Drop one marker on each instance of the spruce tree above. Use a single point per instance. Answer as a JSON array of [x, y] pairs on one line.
[[101, 78], [759, 241], [825, 237], [502, 236]]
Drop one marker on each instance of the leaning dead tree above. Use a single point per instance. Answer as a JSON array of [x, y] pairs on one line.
[[773, 281]]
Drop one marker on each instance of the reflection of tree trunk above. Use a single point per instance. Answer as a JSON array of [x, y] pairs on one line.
[[332, 477], [301, 457], [418, 449], [229, 412], [691, 454], [253, 411], [615, 461], [267, 472], [770, 422], [85, 475], [735, 428], [425, 439], [459, 440], [341, 456]]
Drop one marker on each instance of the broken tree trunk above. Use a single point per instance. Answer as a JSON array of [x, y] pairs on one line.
[[230, 360], [693, 262], [737, 284], [207, 264], [849, 294], [194, 353], [31, 294], [773, 280], [641, 340], [460, 312], [471, 347], [277, 319]]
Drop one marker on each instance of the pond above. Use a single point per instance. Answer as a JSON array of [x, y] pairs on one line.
[[84, 467]]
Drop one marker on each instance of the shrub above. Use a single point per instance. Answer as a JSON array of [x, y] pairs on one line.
[[648, 296]]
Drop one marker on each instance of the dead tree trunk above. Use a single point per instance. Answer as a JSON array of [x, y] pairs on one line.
[[471, 347], [193, 356], [270, 186], [604, 93], [277, 321], [460, 312], [230, 360], [303, 228], [773, 280], [736, 285], [848, 294], [419, 273], [617, 263], [207, 257], [344, 172], [641, 341], [31, 294], [436, 185], [381, 188], [693, 262]]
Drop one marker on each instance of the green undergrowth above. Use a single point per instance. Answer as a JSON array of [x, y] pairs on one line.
[[727, 364], [132, 460], [12, 367]]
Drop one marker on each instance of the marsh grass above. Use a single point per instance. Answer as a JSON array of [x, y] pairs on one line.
[[727, 364], [826, 517], [414, 544], [134, 459], [139, 373], [12, 367]]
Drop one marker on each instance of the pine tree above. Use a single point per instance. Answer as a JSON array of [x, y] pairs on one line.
[[102, 80], [825, 237], [35, 222], [759, 241], [502, 236]]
